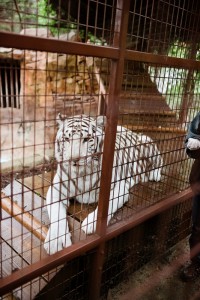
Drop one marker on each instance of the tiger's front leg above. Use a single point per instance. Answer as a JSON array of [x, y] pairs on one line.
[[119, 195], [58, 236]]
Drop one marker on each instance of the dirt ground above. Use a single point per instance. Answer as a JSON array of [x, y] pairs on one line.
[[159, 279]]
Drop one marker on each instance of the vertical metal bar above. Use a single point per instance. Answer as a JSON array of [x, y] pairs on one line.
[[1, 91], [121, 25], [12, 83], [188, 88], [16, 96], [6, 86]]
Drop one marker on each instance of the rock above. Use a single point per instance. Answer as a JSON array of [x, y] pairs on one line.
[[72, 35], [41, 32]]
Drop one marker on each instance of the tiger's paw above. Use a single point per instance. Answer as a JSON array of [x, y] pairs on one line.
[[155, 175], [89, 224], [54, 243]]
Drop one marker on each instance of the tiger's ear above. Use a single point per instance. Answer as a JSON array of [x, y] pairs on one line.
[[59, 119], [101, 121]]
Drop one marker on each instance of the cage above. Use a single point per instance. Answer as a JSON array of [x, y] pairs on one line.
[[95, 100]]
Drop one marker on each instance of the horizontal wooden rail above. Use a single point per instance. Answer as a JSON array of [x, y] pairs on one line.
[[19, 41], [147, 213], [155, 128]]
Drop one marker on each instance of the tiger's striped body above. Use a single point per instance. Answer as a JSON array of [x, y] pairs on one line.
[[78, 151]]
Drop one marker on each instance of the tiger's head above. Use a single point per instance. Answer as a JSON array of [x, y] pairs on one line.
[[79, 139]]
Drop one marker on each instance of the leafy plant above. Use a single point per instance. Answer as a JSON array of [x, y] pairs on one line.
[[46, 15]]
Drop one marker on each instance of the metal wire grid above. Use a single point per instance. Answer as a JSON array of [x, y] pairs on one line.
[[27, 152], [153, 27], [72, 281], [10, 84], [91, 21], [129, 253], [43, 116], [24, 178]]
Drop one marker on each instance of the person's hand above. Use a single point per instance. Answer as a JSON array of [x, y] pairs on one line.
[[193, 144]]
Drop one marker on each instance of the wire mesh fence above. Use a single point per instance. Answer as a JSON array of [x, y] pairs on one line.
[[95, 99]]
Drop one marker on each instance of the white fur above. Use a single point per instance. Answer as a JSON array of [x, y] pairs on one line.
[[78, 174], [193, 144]]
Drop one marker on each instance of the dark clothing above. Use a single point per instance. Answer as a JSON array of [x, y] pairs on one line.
[[194, 239], [195, 177], [194, 128], [194, 132]]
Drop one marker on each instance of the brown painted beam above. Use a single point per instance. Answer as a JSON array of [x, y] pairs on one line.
[[19, 41]]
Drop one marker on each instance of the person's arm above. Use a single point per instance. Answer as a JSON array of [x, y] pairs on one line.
[[192, 141]]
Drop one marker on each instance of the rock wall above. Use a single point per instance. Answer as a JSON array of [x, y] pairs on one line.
[[50, 83]]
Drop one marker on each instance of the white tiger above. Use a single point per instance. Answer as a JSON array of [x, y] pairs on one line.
[[78, 151]]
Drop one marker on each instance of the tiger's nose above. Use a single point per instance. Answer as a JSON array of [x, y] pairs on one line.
[[75, 160]]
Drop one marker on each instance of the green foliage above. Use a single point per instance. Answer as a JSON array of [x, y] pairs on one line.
[[49, 18], [95, 40], [179, 50], [46, 15], [41, 13], [37, 13], [176, 91]]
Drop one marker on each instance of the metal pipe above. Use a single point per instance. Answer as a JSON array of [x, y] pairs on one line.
[[116, 75]]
